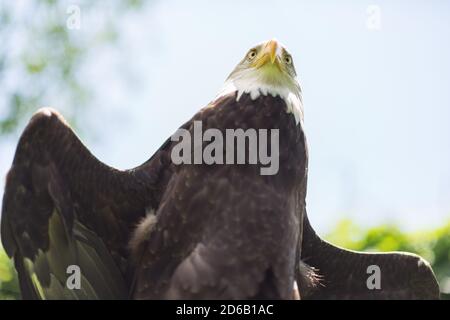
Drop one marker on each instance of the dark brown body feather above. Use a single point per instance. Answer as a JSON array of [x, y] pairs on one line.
[[226, 231]]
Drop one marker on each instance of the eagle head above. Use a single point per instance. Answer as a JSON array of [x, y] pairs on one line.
[[267, 69]]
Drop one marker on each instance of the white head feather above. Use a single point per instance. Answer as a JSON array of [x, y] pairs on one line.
[[267, 69]]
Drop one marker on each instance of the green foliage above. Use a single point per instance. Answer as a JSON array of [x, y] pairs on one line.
[[433, 245], [9, 287]]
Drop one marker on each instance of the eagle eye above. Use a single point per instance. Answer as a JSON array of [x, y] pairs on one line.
[[251, 54], [288, 59]]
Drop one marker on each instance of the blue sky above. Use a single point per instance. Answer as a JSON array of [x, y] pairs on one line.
[[377, 102]]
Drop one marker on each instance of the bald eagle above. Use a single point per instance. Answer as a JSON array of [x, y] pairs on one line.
[[187, 231]]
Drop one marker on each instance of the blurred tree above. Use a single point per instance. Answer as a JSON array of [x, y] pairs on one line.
[[42, 51]]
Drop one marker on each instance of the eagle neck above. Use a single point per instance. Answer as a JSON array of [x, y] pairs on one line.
[[255, 89]]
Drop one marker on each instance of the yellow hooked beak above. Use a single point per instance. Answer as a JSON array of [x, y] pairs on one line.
[[269, 53], [271, 50]]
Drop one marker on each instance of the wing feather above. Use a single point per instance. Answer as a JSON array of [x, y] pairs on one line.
[[62, 206], [343, 273]]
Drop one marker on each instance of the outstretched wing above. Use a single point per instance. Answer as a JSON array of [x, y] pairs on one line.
[[62, 207], [347, 274]]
